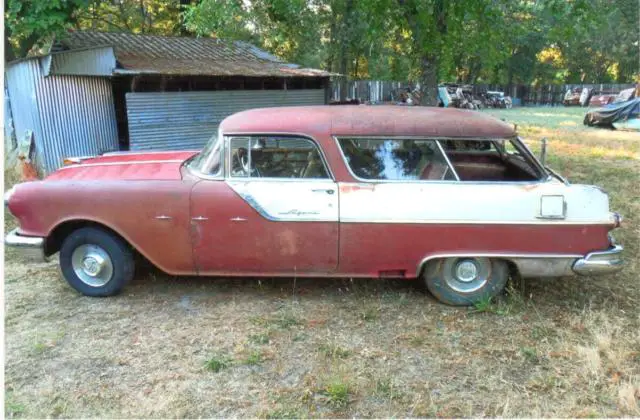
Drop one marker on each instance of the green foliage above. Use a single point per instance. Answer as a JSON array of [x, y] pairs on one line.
[[29, 25], [337, 393], [217, 363], [427, 41]]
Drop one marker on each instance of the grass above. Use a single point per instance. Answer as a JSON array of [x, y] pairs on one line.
[[551, 348], [338, 393], [218, 363], [334, 351]]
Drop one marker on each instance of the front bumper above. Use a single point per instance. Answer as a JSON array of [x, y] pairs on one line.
[[600, 262], [30, 247]]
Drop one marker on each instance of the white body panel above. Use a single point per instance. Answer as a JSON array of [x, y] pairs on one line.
[[291, 200], [460, 202]]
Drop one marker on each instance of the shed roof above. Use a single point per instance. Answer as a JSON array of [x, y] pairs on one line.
[[173, 55]]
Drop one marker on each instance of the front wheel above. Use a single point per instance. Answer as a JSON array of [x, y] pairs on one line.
[[96, 262], [464, 281]]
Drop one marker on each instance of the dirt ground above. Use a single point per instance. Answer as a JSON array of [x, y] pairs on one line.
[[190, 347]]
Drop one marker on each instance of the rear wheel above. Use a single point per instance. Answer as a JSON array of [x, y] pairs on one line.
[[464, 281], [96, 262]]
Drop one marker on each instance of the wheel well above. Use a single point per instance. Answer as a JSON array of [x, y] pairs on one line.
[[513, 267], [60, 232]]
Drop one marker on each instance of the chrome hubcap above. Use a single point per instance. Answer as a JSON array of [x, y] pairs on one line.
[[466, 271], [466, 275], [92, 265]]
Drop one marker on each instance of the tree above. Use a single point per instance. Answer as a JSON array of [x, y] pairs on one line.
[[29, 25]]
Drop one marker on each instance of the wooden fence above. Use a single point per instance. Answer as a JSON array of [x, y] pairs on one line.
[[389, 91]]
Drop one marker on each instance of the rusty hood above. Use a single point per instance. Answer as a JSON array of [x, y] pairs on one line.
[[124, 166]]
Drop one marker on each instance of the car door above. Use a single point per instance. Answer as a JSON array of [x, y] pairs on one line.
[[274, 213]]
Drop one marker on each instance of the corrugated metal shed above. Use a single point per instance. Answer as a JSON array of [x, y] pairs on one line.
[[99, 61], [186, 120], [69, 115], [171, 55]]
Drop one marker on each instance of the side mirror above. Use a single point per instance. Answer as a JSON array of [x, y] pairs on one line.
[[543, 151]]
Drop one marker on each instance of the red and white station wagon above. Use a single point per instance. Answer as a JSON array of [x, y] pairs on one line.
[[449, 196]]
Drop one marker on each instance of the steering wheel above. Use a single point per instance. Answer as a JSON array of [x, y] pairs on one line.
[[242, 167]]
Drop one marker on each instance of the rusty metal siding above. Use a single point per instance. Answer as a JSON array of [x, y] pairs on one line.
[[186, 120], [69, 115], [78, 117], [88, 62], [21, 82]]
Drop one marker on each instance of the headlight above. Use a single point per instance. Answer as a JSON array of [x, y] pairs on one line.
[[8, 194]]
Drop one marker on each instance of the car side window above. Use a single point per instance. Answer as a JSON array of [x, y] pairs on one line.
[[395, 159], [276, 157]]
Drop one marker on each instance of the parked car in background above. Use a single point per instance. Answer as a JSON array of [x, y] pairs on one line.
[[601, 99], [451, 197], [496, 99], [572, 97]]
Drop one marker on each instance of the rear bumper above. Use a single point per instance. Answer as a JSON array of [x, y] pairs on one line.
[[600, 262], [30, 247]]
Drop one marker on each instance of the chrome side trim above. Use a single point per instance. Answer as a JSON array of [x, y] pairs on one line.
[[31, 247], [199, 218], [139, 162], [251, 200], [513, 257], [600, 262], [155, 152], [481, 222], [163, 217]]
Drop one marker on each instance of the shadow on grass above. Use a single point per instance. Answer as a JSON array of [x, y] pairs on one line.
[[151, 280]]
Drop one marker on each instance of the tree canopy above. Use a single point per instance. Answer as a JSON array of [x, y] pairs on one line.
[[429, 41]]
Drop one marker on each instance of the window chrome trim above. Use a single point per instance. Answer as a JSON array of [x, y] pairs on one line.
[[541, 168], [446, 158], [325, 162], [422, 181], [218, 175]]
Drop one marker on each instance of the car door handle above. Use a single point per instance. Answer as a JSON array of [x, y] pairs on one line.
[[327, 190], [199, 218]]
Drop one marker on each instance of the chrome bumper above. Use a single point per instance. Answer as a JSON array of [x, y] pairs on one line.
[[30, 247], [600, 262]]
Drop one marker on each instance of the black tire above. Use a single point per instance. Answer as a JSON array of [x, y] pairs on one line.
[[120, 260], [492, 274]]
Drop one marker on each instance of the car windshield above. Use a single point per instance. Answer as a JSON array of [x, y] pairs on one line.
[[208, 161]]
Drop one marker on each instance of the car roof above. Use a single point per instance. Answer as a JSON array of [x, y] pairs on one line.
[[361, 120]]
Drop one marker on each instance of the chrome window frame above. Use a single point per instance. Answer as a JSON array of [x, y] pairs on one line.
[[227, 173], [221, 171], [337, 137]]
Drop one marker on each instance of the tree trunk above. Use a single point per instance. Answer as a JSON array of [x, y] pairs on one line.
[[344, 47], [429, 80]]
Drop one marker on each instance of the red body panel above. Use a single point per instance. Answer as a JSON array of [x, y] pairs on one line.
[[255, 245], [405, 245], [129, 208]]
